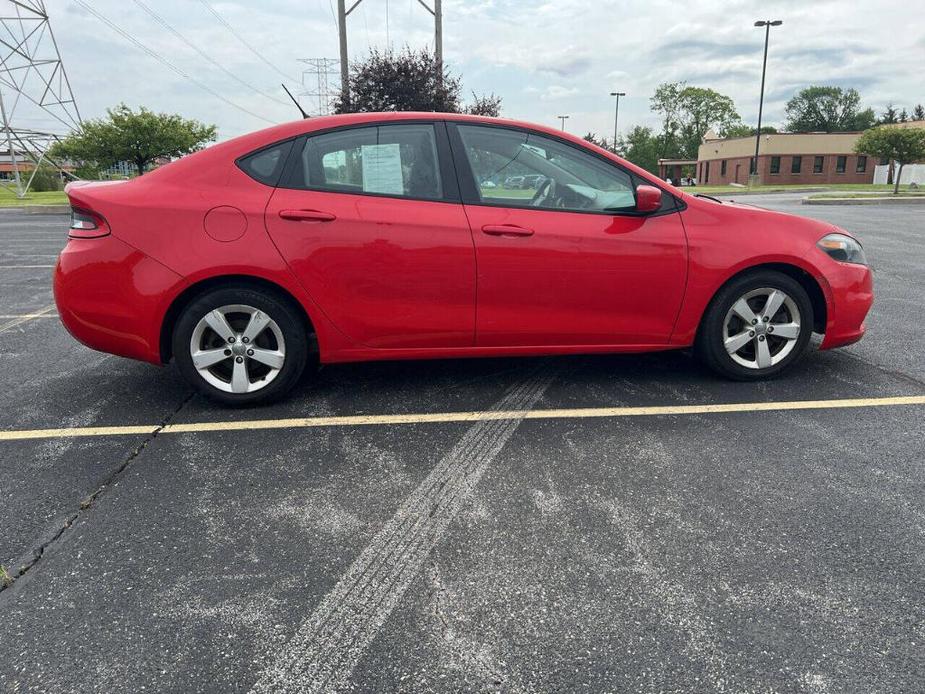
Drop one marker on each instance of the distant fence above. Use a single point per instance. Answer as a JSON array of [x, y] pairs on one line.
[[912, 173]]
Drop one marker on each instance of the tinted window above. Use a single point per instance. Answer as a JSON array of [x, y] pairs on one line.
[[795, 164], [840, 163], [266, 165], [520, 169], [817, 164], [775, 165], [861, 165], [385, 160], [722, 168]]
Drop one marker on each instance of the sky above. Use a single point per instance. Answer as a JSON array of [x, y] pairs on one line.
[[543, 58]]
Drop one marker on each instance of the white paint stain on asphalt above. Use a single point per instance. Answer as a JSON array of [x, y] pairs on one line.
[[25, 318], [326, 648]]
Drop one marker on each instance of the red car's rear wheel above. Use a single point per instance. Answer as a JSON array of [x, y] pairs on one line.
[[240, 345]]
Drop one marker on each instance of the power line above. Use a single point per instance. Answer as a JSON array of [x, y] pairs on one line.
[[205, 56], [157, 56], [243, 41]]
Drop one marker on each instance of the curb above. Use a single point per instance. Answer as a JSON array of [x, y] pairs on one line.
[[746, 191], [865, 201], [44, 209]]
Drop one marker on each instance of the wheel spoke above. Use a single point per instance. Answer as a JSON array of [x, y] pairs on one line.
[[773, 304], [736, 342], [272, 358], [789, 331], [255, 326], [217, 321], [743, 311], [205, 358], [240, 380], [762, 354]]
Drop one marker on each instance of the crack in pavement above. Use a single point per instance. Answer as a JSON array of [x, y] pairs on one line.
[[87, 502]]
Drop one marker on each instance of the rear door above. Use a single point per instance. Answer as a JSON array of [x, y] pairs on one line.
[[369, 220], [565, 261]]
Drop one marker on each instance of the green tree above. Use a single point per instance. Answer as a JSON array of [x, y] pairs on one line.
[[136, 136], [485, 105], [640, 146], [900, 145], [743, 130], [400, 81], [687, 113], [918, 113], [827, 109], [46, 178], [888, 116]]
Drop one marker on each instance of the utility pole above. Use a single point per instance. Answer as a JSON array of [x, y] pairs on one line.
[[563, 119], [344, 67], [767, 24], [616, 116], [343, 12]]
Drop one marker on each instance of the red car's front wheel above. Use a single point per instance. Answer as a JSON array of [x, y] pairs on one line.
[[756, 326]]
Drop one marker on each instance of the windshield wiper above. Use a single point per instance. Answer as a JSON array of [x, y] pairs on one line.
[[708, 197]]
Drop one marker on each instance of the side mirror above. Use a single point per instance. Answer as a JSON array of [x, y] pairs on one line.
[[648, 198]]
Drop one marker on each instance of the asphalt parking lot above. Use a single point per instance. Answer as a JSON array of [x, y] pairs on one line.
[[365, 536]]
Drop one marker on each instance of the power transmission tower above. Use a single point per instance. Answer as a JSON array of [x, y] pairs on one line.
[[343, 13], [319, 81], [32, 72]]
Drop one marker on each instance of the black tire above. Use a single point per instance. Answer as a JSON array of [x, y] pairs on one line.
[[278, 309], [709, 346]]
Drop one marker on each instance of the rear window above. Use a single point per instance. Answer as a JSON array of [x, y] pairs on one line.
[[266, 165]]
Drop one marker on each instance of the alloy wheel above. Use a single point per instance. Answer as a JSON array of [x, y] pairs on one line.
[[237, 348], [761, 328]]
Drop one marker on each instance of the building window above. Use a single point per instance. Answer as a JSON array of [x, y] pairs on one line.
[[796, 164], [775, 165], [862, 164], [840, 164], [706, 175], [722, 168], [818, 164], [751, 165]]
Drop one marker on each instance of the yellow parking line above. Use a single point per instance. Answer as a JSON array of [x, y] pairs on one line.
[[26, 317], [438, 417]]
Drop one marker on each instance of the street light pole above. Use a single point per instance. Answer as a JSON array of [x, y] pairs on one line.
[[616, 116], [562, 118], [767, 24]]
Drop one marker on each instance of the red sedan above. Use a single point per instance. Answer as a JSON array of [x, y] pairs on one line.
[[399, 236]]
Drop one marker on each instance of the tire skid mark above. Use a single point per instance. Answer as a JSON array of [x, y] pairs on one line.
[[326, 648]]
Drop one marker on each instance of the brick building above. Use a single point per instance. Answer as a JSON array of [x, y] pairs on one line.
[[785, 158]]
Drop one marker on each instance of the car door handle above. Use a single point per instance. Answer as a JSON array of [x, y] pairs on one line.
[[506, 230], [307, 216]]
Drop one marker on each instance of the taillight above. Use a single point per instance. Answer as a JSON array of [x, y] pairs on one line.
[[86, 224]]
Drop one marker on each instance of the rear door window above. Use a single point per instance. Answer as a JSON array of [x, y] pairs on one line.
[[393, 160]]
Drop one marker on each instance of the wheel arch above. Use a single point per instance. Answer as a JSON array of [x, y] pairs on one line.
[[189, 294], [805, 279]]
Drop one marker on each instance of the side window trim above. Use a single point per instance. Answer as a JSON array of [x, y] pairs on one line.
[[469, 190], [289, 179]]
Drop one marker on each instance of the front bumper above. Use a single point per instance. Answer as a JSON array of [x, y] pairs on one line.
[[112, 297], [849, 295]]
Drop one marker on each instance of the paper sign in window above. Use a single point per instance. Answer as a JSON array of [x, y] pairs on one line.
[[382, 169]]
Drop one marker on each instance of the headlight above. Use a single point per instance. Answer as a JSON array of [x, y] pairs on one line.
[[842, 248]]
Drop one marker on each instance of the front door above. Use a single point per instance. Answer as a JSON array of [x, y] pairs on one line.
[[368, 223], [565, 261]]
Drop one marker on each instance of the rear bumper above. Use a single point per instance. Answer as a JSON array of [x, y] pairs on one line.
[[110, 296], [850, 296]]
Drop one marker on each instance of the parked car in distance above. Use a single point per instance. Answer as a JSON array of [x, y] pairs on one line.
[[374, 236], [514, 182]]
